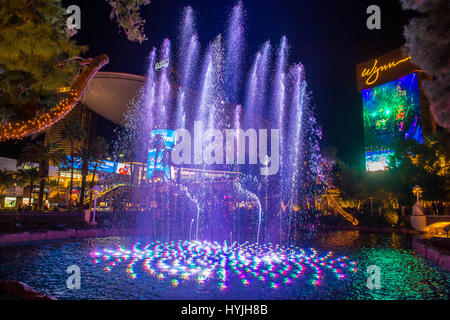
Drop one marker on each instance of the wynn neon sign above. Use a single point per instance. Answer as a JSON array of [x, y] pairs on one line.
[[372, 74]]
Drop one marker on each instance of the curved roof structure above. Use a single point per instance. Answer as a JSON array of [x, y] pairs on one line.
[[108, 93]]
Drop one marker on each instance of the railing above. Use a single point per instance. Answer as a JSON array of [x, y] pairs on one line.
[[101, 194], [342, 212]]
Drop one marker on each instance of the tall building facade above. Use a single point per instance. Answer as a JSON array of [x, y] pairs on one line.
[[394, 106], [81, 114]]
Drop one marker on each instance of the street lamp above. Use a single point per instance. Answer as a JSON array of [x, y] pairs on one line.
[[417, 191]]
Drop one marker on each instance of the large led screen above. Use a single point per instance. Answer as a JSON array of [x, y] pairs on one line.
[[161, 144], [102, 165], [391, 111]]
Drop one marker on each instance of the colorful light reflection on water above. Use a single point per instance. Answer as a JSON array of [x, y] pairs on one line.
[[404, 274], [202, 261]]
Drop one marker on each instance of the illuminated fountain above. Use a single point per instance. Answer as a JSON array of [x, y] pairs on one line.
[[230, 229], [222, 230], [223, 264], [188, 88]]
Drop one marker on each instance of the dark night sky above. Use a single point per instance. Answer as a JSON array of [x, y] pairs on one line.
[[328, 37]]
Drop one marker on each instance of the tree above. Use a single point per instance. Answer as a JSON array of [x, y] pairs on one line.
[[126, 14], [6, 180], [350, 181], [412, 163], [93, 152], [73, 133], [35, 54], [428, 42], [426, 165], [28, 178], [38, 58], [43, 154]]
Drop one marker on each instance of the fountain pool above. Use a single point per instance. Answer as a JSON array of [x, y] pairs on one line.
[[330, 266]]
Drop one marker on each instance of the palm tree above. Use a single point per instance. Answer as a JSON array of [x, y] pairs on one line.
[[92, 153], [28, 178], [39, 152], [73, 133], [6, 180]]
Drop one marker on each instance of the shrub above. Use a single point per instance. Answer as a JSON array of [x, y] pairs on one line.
[[391, 217]]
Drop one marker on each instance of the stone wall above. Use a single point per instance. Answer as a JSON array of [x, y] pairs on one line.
[[433, 254], [61, 234]]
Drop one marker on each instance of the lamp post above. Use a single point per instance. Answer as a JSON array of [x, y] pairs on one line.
[[417, 191], [95, 189]]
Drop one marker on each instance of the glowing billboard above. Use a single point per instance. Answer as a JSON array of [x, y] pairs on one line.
[[162, 142], [102, 165], [123, 168], [10, 202], [391, 111], [377, 160]]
